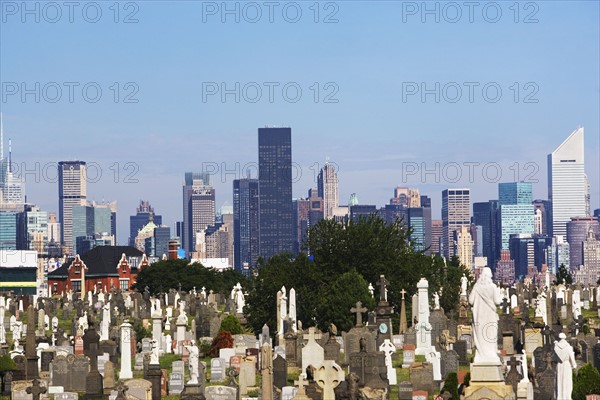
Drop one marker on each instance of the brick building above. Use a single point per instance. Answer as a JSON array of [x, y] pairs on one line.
[[103, 266]]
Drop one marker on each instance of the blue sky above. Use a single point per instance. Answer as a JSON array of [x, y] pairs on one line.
[[368, 61]]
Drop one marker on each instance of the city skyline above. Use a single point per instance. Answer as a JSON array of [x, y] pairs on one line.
[[251, 168], [370, 133]]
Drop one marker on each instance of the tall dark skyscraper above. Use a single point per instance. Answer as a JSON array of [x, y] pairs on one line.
[[487, 215], [245, 223], [275, 189]]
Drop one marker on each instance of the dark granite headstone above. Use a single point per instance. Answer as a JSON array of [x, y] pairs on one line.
[[405, 390], [46, 358], [449, 363], [461, 350], [279, 372]]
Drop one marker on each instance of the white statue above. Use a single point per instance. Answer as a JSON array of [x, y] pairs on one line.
[[371, 289], [436, 301], [564, 369], [193, 360], [484, 298], [154, 355], [463, 285]]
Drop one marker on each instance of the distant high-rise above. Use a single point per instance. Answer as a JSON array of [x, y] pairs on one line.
[[577, 233], [463, 246], [516, 210], [487, 215], [456, 207], [144, 214], [245, 223], [198, 207], [567, 183], [409, 198], [12, 188], [91, 220], [327, 182], [275, 191], [72, 191], [505, 268], [419, 220], [301, 208], [545, 214], [437, 230]]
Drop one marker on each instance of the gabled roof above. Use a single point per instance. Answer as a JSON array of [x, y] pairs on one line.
[[100, 261]]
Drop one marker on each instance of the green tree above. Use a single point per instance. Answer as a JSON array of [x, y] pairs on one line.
[[344, 258], [451, 386], [563, 275], [586, 381], [337, 300], [231, 324], [170, 274]]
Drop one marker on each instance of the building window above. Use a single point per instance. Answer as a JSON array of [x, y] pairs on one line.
[[76, 285], [124, 284]]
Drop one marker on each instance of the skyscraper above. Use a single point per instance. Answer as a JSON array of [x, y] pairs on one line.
[[545, 208], [144, 213], [456, 207], [437, 231], [409, 198], [91, 220], [198, 207], [577, 233], [245, 223], [72, 191], [516, 210], [327, 183], [463, 246], [567, 183], [12, 188], [275, 189]]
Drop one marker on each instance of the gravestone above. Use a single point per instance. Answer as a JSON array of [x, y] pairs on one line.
[[279, 372], [176, 383], [247, 375], [66, 396], [461, 350], [421, 376], [449, 363], [46, 358], [140, 389], [217, 369], [220, 393], [370, 368], [408, 352], [405, 390], [312, 353]]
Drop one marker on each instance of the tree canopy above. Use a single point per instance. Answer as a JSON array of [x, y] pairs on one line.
[[344, 259], [167, 274]]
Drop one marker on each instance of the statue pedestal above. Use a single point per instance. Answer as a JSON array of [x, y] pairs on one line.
[[154, 375], [487, 382], [192, 391]]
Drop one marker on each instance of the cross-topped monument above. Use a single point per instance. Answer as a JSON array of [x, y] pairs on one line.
[[358, 310], [301, 382], [36, 389], [403, 292], [312, 336], [382, 289]]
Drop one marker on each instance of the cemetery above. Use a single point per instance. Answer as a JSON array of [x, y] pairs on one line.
[[131, 345]]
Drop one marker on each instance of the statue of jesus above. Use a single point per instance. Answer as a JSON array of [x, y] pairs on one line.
[[484, 298]]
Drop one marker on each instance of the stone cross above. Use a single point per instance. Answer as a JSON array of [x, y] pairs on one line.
[[382, 288], [121, 389], [403, 292], [513, 363], [36, 389], [301, 383], [312, 336], [328, 376], [358, 310]]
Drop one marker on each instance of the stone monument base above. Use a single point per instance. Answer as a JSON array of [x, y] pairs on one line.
[[192, 392], [487, 382]]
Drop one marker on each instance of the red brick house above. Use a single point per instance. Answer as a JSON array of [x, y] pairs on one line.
[[103, 266]]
